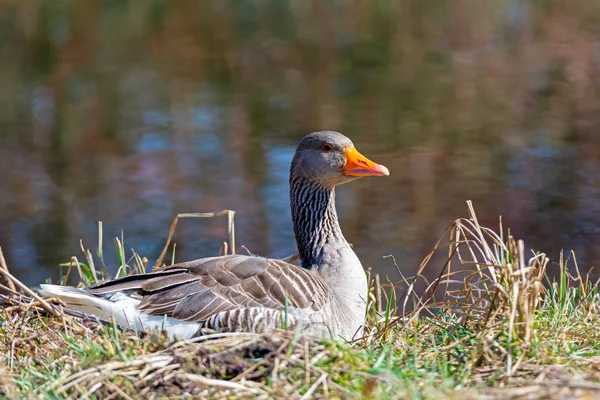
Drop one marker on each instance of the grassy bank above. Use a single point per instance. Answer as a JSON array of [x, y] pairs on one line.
[[492, 325]]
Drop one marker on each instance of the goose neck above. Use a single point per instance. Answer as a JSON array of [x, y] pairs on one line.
[[321, 243]]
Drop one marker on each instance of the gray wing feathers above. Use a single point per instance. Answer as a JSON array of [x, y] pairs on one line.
[[131, 282], [227, 293], [165, 282]]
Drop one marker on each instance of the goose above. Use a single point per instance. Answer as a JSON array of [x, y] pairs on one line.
[[325, 296]]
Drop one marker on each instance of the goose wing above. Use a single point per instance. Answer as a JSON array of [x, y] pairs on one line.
[[197, 290]]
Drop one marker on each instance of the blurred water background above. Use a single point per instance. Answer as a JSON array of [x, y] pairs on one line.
[[131, 111]]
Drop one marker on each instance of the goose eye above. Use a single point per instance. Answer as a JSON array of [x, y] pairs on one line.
[[326, 147]]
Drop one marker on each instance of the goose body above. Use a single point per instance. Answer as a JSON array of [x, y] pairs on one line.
[[326, 295]]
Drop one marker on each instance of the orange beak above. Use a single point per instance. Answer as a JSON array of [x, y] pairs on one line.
[[359, 165]]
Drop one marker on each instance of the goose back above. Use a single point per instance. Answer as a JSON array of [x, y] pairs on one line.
[[235, 292]]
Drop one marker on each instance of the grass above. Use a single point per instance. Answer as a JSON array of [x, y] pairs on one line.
[[492, 325]]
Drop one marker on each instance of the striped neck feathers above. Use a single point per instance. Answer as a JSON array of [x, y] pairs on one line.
[[321, 244]]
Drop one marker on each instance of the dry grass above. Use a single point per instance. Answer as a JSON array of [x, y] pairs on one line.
[[492, 325]]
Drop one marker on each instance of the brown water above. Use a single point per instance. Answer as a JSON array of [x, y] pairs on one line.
[[129, 112]]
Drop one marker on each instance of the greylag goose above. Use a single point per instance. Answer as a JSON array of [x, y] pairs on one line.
[[326, 294]]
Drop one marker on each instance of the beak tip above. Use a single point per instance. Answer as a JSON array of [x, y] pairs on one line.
[[384, 171]]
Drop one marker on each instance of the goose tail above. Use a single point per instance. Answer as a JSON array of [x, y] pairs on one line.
[[123, 308]]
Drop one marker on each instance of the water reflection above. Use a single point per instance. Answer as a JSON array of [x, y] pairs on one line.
[[132, 111]]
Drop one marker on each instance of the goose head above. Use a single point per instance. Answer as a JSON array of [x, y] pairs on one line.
[[328, 159]]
